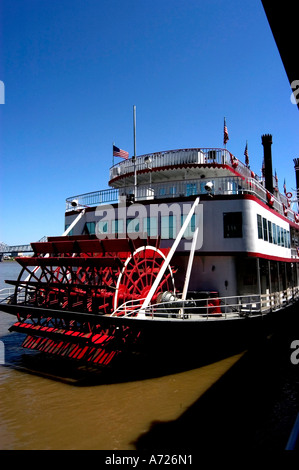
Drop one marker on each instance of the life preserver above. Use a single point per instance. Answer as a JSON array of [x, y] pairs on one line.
[[285, 209], [270, 199], [234, 161], [289, 195]]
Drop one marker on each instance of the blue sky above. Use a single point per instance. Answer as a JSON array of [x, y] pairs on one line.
[[73, 69]]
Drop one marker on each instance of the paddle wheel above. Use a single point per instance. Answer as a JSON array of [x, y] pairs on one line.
[[70, 294]]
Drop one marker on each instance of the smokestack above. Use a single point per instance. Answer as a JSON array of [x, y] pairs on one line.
[[267, 142], [296, 163]]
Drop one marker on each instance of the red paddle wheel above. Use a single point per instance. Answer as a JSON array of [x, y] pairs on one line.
[[68, 290]]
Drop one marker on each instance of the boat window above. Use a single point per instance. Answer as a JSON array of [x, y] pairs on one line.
[[278, 236], [132, 225], [150, 226], [66, 227], [168, 226], [189, 232], [270, 231], [285, 238], [232, 224], [90, 228], [117, 226], [102, 227], [274, 230], [259, 226], [265, 229]]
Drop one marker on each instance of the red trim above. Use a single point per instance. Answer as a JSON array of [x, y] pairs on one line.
[[185, 165], [251, 254], [272, 258], [265, 206]]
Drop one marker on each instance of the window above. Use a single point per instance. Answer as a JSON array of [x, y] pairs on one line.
[[118, 226], [150, 226], [102, 227], [90, 228], [132, 225], [285, 242], [66, 227], [265, 229], [270, 231], [189, 232], [168, 226], [232, 225], [274, 230], [259, 226], [278, 236]]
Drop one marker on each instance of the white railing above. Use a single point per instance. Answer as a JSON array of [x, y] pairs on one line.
[[6, 293], [194, 309], [178, 157], [221, 186], [211, 308], [95, 198]]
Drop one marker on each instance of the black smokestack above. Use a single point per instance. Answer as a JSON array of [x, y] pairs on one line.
[[296, 163], [267, 142]]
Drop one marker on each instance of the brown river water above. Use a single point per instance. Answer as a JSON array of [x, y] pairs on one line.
[[47, 406]]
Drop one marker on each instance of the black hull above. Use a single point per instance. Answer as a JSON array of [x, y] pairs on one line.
[[182, 342]]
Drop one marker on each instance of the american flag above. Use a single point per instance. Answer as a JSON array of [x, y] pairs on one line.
[[246, 155], [120, 153], [284, 187], [225, 136]]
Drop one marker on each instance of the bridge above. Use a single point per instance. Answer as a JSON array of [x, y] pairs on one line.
[[13, 250]]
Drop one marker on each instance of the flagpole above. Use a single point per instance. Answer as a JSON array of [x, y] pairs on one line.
[[113, 153], [135, 172]]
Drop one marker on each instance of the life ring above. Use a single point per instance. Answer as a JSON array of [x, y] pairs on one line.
[[270, 199], [289, 195]]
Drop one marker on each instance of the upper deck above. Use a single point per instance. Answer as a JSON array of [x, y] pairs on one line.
[[184, 173], [174, 165]]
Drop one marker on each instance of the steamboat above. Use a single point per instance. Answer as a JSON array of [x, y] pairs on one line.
[[188, 251]]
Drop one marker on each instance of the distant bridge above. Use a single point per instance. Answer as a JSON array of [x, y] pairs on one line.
[[15, 249]]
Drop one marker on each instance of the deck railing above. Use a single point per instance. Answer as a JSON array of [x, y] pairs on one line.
[[178, 157], [211, 308], [197, 309], [221, 186]]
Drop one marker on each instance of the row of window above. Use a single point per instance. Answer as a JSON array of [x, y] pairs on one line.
[[272, 233], [148, 225]]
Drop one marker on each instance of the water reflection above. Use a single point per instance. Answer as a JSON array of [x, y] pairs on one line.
[[38, 412]]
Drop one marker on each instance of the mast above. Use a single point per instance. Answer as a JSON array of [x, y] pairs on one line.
[[134, 158]]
